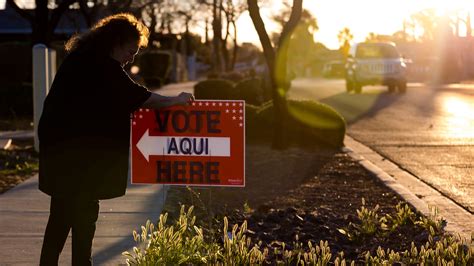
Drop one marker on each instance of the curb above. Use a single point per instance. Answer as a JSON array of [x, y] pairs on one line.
[[5, 144], [417, 193], [7, 137], [18, 134]]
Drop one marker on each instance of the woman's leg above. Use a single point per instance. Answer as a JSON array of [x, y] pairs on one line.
[[85, 216], [56, 233]]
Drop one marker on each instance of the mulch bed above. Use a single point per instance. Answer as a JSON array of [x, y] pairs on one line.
[[309, 193]]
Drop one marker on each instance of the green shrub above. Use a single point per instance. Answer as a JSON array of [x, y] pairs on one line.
[[232, 76], [16, 63], [317, 123], [309, 123], [215, 89], [250, 90], [259, 122], [16, 100], [155, 67], [250, 112]]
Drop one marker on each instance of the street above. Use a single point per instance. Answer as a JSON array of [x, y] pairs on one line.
[[429, 131]]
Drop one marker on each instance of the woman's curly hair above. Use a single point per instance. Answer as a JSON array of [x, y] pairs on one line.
[[108, 33]]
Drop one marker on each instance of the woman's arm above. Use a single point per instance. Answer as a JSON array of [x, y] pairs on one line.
[[156, 101]]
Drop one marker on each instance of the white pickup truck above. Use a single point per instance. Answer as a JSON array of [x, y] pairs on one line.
[[375, 63]]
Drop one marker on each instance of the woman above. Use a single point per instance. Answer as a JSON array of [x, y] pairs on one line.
[[84, 131]]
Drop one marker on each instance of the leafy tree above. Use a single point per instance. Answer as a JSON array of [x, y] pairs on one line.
[[345, 38], [307, 24], [373, 37], [301, 47]]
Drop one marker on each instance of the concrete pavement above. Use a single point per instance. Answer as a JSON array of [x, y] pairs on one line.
[[417, 193], [24, 213]]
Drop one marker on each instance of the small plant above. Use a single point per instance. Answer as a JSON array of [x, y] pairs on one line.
[[433, 224], [237, 248], [246, 208], [18, 162], [368, 225], [301, 254], [404, 215], [447, 251], [179, 243], [369, 220]]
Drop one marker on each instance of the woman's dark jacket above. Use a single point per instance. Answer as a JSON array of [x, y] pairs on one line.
[[84, 130]]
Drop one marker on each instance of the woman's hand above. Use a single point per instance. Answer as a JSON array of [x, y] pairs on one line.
[[185, 98], [157, 101]]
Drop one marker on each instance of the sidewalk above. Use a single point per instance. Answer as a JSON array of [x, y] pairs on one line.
[[24, 212], [420, 195]]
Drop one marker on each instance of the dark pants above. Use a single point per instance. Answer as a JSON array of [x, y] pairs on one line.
[[67, 214]]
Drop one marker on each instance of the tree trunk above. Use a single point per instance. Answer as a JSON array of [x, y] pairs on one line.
[[235, 48], [276, 62], [225, 51], [40, 25], [216, 40], [206, 36], [269, 53]]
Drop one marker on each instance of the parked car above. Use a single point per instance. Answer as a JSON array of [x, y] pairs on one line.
[[375, 63], [333, 69]]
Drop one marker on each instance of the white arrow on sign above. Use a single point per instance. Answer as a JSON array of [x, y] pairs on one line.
[[159, 145]]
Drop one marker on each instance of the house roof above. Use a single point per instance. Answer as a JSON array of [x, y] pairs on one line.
[[11, 22]]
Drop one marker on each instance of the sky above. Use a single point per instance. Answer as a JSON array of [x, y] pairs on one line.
[[361, 16]]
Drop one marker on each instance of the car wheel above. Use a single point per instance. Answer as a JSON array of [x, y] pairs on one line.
[[357, 87], [349, 85], [402, 86]]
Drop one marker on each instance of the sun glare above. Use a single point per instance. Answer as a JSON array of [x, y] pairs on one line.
[[459, 117], [378, 16]]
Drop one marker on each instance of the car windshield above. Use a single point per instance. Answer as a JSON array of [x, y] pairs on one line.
[[376, 51]]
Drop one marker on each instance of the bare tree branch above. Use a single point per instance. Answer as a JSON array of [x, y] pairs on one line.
[[150, 3], [85, 12], [268, 49], [293, 21], [57, 13]]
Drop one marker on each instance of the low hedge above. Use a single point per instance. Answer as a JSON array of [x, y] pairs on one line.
[[215, 89], [309, 123], [16, 100], [250, 90], [155, 67], [315, 121]]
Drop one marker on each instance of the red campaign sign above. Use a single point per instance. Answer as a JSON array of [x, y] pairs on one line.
[[202, 144]]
